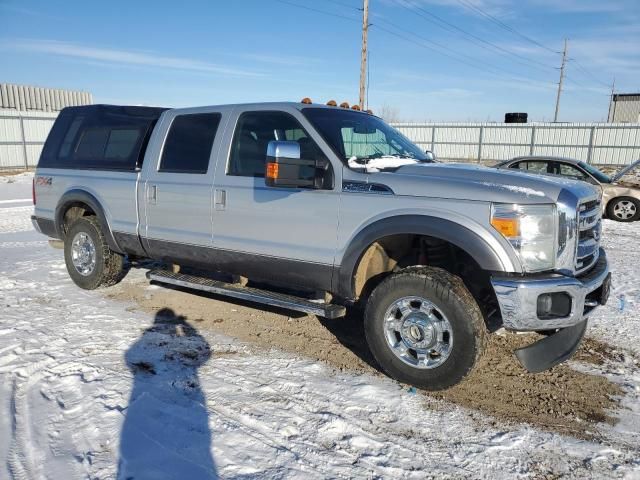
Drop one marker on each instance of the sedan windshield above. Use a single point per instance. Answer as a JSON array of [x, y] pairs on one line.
[[364, 141], [597, 174]]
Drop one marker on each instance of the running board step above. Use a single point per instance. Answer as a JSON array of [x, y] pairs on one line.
[[290, 302]]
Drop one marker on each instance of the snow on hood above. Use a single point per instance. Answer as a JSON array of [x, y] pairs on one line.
[[378, 164]]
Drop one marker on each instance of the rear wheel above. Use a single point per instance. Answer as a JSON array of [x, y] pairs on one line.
[[424, 328], [623, 209], [90, 262]]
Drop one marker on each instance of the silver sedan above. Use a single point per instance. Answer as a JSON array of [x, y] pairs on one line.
[[620, 200]]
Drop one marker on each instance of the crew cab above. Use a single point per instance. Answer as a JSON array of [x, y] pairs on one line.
[[321, 208]]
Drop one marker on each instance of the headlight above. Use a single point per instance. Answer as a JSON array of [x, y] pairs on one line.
[[531, 230]]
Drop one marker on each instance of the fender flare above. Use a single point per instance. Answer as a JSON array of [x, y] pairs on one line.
[[82, 196], [454, 233]]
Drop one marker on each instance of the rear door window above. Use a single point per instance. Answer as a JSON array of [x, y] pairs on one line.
[[187, 148], [534, 166], [538, 167]]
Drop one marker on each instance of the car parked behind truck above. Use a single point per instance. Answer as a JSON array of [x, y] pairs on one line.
[[281, 202], [620, 200]]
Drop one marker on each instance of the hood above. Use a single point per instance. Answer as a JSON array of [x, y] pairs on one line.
[[479, 183], [623, 171]]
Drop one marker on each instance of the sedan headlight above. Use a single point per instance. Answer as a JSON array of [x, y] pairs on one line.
[[531, 230]]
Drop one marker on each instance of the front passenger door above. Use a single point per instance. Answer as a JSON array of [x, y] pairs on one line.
[[285, 235]]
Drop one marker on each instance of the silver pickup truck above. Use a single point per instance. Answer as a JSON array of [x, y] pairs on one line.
[[321, 208]]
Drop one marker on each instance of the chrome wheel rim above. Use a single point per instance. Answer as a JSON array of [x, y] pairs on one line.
[[418, 333], [83, 254], [624, 209]]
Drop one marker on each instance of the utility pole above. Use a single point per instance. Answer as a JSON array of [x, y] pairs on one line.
[[613, 89], [564, 61], [363, 58]]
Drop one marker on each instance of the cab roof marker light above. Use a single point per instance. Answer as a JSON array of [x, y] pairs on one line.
[[355, 107], [306, 101], [344, 105], [332, 103]]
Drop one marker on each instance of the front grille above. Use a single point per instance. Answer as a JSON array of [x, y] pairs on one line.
[[590, 228]]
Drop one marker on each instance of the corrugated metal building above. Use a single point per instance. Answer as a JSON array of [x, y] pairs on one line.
[[625, 108], [27, 98]]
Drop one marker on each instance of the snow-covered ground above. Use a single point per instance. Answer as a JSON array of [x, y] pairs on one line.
[[92, 388]]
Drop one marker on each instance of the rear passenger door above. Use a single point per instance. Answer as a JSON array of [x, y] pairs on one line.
[[283, 235], [176, 190]]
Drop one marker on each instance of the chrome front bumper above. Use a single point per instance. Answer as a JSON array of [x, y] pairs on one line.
[[518, 297]]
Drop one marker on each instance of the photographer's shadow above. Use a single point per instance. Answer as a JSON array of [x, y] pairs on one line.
[[166, 433]]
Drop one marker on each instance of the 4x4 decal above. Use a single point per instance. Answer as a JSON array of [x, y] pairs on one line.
[[44, 181]]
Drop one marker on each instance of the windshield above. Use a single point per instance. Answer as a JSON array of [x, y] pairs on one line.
[[597, 174], [364, 140]]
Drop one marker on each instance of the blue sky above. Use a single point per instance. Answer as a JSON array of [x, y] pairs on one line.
[[184, 53]]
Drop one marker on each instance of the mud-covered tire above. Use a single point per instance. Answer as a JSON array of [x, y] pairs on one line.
[[623, 209], [109, 266], [450, 296]]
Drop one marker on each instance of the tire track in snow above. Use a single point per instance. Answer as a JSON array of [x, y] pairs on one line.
[[20, 461], [347, 435]]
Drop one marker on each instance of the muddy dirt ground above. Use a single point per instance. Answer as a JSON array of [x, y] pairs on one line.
[[561, 400]]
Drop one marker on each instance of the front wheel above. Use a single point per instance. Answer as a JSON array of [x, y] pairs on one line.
[[90, 262], [623, 209], [425, 328]]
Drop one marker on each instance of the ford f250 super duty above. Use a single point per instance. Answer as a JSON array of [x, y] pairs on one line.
[[320, 208]]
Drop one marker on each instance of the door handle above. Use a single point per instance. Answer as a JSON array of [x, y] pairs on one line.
[[219, 199], [152, 194]]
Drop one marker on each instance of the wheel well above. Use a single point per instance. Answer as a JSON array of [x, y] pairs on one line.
[[395, 252], [72, 212]]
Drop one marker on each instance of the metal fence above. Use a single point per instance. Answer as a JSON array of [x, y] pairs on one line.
[[597, 143], [22, 135]]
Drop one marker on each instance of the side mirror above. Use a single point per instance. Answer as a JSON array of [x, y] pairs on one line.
[[284, 167], [431, 157]]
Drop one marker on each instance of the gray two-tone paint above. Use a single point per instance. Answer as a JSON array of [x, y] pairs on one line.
[[234, 215]]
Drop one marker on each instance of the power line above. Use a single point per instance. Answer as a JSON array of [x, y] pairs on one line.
[[466, 59], [346, 5], [317, 10], [533, 41], [424, 43], [503, 25], [446, 25], [471, 61], [450, 54], [588, 73]]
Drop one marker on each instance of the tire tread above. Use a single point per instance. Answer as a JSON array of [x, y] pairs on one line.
[[447, 287], [113, 270]]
